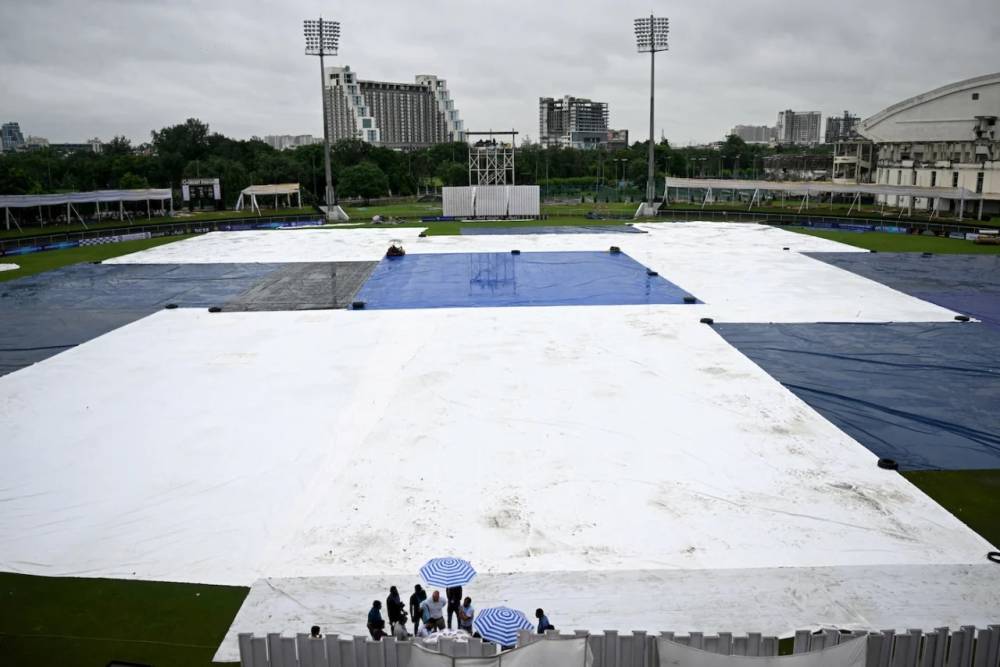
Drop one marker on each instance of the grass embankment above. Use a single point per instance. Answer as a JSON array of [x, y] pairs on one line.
[[885, 242], [88, 622], [37, 262], [971, 495], [200, 216]]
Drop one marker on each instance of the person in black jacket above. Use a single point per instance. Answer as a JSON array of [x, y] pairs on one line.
[[394, 607], [419, 595], [376, 626], [454, 595]]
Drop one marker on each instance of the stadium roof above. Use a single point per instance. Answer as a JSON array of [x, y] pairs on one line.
[[822, 187], [28, 201]]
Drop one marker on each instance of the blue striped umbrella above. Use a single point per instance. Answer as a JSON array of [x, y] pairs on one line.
[[447, 572], [500, 624]]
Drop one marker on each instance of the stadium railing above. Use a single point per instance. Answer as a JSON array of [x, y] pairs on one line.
[[942, 647]]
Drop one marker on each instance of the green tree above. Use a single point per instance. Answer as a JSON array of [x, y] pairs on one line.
[[118, 146], [189, 140], [364, 180], [131, 181], [452, 173]]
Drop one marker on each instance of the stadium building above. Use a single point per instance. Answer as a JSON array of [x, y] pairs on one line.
[[11, 138], [943, 138], [572, 122], [395, 115], [799, 128]]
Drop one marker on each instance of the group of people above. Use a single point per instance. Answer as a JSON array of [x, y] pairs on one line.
[[429, 614]]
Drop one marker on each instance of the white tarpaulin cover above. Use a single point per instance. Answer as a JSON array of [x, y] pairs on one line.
[[849, 654], [9, 267], [25, 201], [545, 653], [739, 270]]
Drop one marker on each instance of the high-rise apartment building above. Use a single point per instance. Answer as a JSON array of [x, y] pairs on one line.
[[395, 115], [282, 142], [10, 136], [841, 128], [572, 122], [799, 128], [754, 134]]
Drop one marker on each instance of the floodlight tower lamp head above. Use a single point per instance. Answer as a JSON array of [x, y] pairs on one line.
[[651, 34], [322, 37]]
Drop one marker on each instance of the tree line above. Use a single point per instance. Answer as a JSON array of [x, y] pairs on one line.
[[191, 150]]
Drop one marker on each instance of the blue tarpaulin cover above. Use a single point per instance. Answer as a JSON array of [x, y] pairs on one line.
[[44, 314], [969, 284], [459, 280], [925, 395]]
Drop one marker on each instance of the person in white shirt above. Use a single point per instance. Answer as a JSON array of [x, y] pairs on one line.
[[434, 610], [465, 615]]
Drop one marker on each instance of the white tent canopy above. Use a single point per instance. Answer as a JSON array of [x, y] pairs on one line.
[[811, 188], [274, 190], [96, 197]]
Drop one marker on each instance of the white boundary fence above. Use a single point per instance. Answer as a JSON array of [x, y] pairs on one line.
[[966, 647]]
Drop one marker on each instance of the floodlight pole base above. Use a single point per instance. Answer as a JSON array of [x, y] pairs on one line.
[[647, 210], [335, 214]]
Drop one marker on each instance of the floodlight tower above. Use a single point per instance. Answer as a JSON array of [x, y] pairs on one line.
[[651, 36], [322, 39]]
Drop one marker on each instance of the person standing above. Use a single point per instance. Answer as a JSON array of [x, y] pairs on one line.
[[466, 613], [376, 625], [419, 595], [454, 594], [543, 622], [394, 607], [433, 607]]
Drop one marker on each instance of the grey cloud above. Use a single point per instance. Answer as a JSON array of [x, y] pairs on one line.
[[71, 70]]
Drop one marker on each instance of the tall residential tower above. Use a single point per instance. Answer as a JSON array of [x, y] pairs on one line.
[[572, 122], [395, 115], [799, 128]]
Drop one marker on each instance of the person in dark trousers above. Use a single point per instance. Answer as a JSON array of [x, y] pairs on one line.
[[376, 626], [394, 607], [454, 595], [543, 621], [419, 595]]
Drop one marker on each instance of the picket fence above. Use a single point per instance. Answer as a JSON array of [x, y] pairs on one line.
[[966, 647]]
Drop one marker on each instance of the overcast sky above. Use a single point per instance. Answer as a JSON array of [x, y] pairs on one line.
[[74, 69]]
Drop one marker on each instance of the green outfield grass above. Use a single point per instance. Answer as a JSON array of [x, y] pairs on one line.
[[88, 622], [37, 262], [885, 242], [971, 495], [412, 211]]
